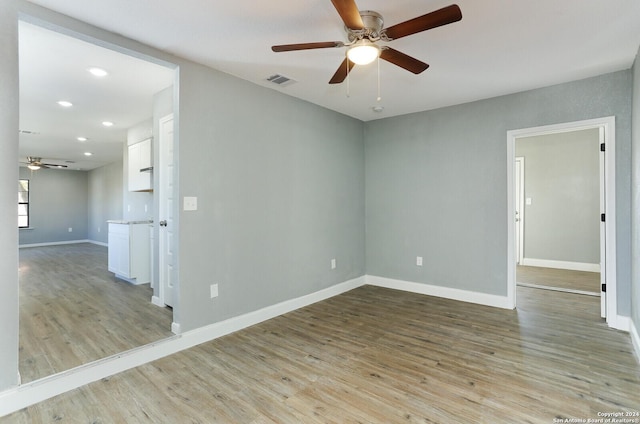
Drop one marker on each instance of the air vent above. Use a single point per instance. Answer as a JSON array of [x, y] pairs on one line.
[[281, 80], [28, 132]]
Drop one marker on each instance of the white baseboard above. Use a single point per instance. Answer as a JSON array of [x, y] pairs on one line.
[[635, 339], [156, 301], [620, 323], [573, 266], [16, 398], [54, 243], [439, 291], [99, 243]]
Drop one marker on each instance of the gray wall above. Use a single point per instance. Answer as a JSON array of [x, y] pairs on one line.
[[436, 183], [635, 195], [280, 187], [57, 201], [562, 179], [105, 199]]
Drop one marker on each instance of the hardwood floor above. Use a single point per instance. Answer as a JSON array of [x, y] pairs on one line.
[[376, 355], [560, 278], [73, 311]]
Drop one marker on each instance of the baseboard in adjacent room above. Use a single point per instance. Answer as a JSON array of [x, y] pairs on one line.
[[54, 243], [572, 266]]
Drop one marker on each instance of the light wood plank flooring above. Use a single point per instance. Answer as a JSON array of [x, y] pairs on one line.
[[376, 355], [73, 311], [560, 278]]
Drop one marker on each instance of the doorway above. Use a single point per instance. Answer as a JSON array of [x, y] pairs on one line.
[[605, 128], [71, 286]]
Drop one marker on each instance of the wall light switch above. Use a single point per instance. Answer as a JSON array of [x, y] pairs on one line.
[[333, 264], [419, 260], [214, 290], [528, 201], [190, 204], [70, 229]]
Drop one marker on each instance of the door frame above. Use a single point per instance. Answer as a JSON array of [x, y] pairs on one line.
[[520, 218], [608, 228]]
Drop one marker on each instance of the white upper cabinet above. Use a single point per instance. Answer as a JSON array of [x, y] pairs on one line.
[[140, 166]]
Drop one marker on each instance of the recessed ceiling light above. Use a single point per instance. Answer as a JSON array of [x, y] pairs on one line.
[[98, 72], [88, 153], [82, 139], [107, 123], [65, 103]]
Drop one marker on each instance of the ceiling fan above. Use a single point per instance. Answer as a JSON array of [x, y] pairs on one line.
[[365, 28], [34, 163]]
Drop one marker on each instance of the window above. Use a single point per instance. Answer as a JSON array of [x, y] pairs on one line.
[[23, 203]]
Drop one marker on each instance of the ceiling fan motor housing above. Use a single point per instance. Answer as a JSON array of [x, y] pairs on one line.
[[372, 30]]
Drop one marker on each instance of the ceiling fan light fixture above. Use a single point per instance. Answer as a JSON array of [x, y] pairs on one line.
[[33, 166], [363, 52]]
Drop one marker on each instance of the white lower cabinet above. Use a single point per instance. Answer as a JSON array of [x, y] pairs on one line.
[[129, 251]]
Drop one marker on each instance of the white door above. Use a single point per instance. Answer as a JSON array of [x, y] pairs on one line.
[[166, 199], [519, 208]]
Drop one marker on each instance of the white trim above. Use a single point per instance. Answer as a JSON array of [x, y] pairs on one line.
[[573, 266], [609, 126], [558, 289], [132, 281], [175, 328], [156, 301], [54, 243], [99, 243], [14, 399], [439, 291], [622, 323], [635, 339]]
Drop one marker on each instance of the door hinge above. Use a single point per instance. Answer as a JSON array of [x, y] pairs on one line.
[[602, 217], [602, 148], [604, 288]]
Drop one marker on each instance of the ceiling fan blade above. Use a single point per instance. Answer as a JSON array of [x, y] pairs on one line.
[[306, 46], [342, 72], [402, 60], [49, 165], [444, 16], [349, 13]]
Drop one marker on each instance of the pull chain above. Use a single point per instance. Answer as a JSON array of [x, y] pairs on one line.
[[379, 96], [348, 80]]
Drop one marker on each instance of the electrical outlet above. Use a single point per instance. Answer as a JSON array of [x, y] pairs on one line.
[[333, 264], [190, 203], [70, 229], [419, 260], [98, 229], [214, 290]]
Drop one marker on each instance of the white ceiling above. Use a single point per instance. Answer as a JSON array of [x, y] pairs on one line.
[[53, 67], [499, 47]]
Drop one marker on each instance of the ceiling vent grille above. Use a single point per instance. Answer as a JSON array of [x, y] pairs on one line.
[[281, 80]]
